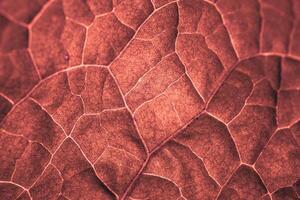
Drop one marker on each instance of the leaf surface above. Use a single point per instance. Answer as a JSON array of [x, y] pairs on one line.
[[149, 99]]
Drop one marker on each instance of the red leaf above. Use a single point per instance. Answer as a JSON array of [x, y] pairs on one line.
[[149, 99]]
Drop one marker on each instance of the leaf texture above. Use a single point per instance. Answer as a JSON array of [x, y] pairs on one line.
[[150, 99]]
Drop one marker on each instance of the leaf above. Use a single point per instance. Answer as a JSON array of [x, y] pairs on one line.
[[149, 99]]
